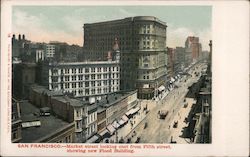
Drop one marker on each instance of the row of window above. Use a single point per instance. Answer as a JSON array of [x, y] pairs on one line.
[[87, 84], [81, 77], [87, 70], [94, 91]]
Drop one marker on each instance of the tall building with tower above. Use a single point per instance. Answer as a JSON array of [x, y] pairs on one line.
[[193, 48], [142, 45]]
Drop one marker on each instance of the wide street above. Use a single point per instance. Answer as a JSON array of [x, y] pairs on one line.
[[161, 130]]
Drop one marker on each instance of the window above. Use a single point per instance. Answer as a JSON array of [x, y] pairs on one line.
[[86, 91], [80, 77], [92, 91], [99, 83], [117, 75], [99, 90], [105, 82], [73, 85], [80, 92], [80, 70], [99, 70], [66, 78], [73, 78], [87, 77], [105, 90], [73, 71], [66, 71], [66, 85], [80, 84], [86, 84], [93, 76], [147, 77], [99, 76], [92, 70], [144, 77], [105, 76], [105, 69], [87, 70], [113, 68], [93, 83]]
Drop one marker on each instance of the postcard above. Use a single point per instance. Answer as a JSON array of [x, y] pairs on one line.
[[134, 78]]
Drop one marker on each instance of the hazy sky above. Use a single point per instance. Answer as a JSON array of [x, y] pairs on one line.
[[64, 23]]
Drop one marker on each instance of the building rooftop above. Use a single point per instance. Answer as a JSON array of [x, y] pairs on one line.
[[44, 90], [49, 124], [129, 19], [113, 98], [73, 102], [83, 63]]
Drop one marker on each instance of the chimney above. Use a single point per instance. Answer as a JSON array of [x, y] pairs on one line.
[[19, 37], [13, 36], [116, 46], [109, 56], [23, 37]]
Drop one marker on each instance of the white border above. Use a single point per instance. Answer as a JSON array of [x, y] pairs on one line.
[[230, 81]]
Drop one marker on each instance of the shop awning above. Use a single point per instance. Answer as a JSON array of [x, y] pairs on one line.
[[161, 88], [93, 139], [121, 121], [125, 118], [105, 133], [116, 124], [132, 111], [111, 129]]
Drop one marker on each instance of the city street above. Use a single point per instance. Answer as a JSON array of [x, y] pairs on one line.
[[161, 130]]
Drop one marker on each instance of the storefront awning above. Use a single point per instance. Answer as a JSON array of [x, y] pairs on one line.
[[93, 139], [125, 118], [161, 88], [115, 124], [111, 129], [104, 132], [132, 111], [121, 121]]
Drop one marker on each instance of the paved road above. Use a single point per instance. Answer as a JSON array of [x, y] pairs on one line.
[[158, 130]]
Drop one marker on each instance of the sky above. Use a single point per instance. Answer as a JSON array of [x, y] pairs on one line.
[[64, 23]]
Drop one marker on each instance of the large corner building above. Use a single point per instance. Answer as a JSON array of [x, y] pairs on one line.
[[142, 43]]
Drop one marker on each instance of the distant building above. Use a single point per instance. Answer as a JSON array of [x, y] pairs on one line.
[[82, 78], [50, 50], [193, 48], [180, 57], [24, 75], [39, 55], [91, 120], [16, 122], [44, 128], [18, 45], [73, 110], [68, 109], [171, 62], [142, 42]]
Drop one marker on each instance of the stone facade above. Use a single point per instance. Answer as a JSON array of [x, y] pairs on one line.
[[82, 78], [142, 42]]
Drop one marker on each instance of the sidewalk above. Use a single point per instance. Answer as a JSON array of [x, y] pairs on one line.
[[180, 117], [135, 120]]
